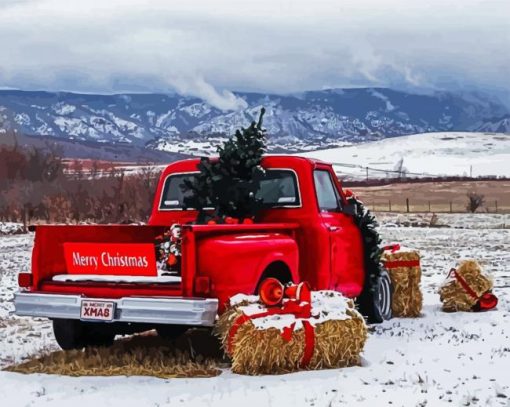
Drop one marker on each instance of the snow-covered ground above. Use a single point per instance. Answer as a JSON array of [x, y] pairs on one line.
[[442, 220], [11, 228], [438, 359], [433, 153]]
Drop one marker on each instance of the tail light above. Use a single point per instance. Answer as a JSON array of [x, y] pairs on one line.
[[24, 280], [202, 285]]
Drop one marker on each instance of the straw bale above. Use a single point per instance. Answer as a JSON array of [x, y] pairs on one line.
[[407, 298], [454, 297], [338, 343]]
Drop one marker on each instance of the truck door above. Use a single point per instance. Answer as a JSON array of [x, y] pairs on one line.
[[346, 252]]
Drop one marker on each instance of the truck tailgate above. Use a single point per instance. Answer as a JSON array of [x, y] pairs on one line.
[[52, 272]]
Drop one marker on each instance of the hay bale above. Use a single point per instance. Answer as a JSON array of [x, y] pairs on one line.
[[454, 297], [340, 333], [403, 266]]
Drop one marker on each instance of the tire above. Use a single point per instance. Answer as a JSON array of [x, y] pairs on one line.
[[171, 332], [98, 335], [74, 334], [69, 333], [385, 295], [376, 305]]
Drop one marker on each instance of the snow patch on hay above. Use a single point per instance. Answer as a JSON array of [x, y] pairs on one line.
[[326, 306]]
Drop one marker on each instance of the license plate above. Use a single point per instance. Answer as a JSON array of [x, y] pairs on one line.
[[92, 310]]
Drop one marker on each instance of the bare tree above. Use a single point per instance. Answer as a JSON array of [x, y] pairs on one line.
[[475, 201]]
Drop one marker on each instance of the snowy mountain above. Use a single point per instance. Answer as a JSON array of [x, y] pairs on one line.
[[307, 121], [453, 154]]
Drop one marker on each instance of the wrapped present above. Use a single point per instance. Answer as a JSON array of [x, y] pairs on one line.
[[327, 332], [467, 288], [403, 266]]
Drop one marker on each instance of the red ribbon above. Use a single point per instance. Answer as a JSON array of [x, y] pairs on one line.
[[300, 310], [309, 344], [392, 247], [463, 284]]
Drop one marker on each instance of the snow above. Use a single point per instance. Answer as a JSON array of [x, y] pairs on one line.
[[438, 359], [432, 153], [11, 228], [326, 306], [116, 279], [63, 109]]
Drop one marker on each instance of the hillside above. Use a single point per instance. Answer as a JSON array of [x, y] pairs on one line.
[[451, 154], [307, 121]]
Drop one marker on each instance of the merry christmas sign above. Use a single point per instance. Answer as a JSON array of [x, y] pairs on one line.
[[135, 259]]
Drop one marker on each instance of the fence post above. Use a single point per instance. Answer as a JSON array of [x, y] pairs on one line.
[[389, 204], [367, 173], [496, 202], [429, 206], [451, 207], [407, 204]]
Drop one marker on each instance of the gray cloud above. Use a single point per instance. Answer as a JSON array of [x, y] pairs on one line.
[[207, 49]]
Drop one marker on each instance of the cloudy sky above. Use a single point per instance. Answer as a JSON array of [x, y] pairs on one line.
[[208, 48]]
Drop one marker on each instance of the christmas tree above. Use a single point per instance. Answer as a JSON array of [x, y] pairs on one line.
[[229, 183]]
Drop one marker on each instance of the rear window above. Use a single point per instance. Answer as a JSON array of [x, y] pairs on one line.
[[279, 188], [173, 195]]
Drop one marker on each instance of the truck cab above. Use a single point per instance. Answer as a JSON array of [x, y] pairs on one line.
[[305, 231]]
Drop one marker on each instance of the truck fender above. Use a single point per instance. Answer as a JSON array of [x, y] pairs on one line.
[[277, 265]]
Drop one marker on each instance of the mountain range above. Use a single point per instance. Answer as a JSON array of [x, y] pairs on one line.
[[297, 122]]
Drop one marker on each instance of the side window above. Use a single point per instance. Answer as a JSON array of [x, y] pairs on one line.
[[327, 194]]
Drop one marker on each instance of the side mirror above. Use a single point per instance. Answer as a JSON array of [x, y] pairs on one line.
[[350, 208]]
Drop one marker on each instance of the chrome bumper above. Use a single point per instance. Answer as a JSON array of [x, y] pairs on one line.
[[162, 310]]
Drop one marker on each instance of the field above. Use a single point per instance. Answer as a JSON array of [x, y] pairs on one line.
[[438, 194], [438, 359]]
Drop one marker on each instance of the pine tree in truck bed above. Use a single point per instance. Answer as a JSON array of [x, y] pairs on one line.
[[229, 183]]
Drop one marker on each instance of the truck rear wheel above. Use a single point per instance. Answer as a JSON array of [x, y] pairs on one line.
[[375, 304], [74, 334], [68, 333], [171, 332]]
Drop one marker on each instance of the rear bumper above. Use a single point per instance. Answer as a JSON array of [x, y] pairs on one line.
[[161, 310]]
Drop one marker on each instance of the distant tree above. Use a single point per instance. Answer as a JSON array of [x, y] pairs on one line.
[[475, 201]]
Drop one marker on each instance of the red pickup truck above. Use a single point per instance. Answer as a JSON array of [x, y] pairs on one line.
[[100, 280]]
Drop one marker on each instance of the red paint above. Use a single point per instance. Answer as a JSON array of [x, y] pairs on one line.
[[125, 259], [220, 260]]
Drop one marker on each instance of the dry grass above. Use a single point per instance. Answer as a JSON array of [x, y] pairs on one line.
[[255, 351], [452, 294], [407, 297], [196, 354], [439, 194]]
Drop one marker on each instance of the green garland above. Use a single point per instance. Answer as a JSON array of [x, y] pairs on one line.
[[372, 252]]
